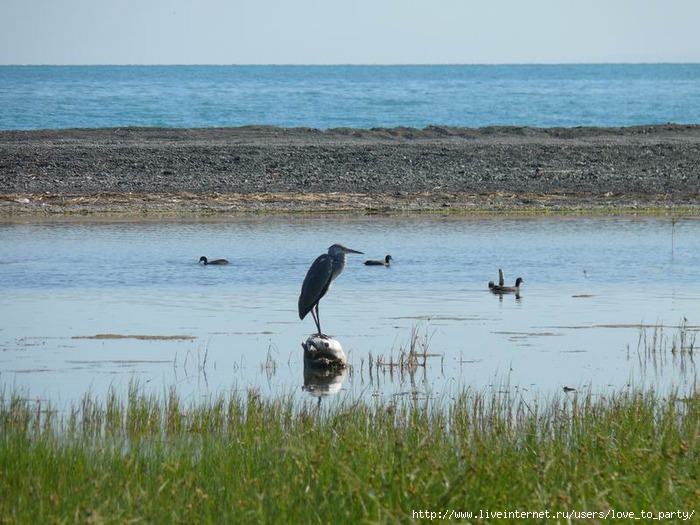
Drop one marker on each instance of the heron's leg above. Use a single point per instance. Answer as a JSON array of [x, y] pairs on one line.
[[317, 319]]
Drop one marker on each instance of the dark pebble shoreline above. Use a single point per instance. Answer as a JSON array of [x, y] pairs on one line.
[[256, 169]]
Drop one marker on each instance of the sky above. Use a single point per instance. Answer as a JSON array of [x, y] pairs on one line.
[[348, 32]]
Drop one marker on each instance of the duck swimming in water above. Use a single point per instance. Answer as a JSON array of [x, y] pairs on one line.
[[497, 288], [501, 280], [385, 262], [207, 262]]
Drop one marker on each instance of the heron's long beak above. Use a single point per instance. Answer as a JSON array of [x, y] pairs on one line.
[[350, 250]]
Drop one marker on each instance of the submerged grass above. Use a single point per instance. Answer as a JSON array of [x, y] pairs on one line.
[[411, 358], [241, 459], [656, 349]]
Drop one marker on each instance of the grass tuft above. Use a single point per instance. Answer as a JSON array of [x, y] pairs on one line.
[[241, 458]]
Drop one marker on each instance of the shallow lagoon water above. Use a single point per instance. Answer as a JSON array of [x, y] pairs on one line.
[[589, 285]]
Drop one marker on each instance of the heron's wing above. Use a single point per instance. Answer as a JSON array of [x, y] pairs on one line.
[[316, 283]]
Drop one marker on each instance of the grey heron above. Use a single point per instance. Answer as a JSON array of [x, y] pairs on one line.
[[318, 280], [507, 289], [385, 262], [207, 262]]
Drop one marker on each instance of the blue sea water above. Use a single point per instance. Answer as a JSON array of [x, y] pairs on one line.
[[53, 97]]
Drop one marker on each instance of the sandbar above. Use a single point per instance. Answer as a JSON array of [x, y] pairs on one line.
[[262, 169]]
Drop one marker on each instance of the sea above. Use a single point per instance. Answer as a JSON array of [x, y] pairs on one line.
[[326, 97]]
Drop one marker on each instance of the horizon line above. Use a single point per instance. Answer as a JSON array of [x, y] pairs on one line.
[[350, 64]]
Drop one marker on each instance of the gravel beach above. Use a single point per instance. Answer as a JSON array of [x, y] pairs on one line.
[[267, 169]]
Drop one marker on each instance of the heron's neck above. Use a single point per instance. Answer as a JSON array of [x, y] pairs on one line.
[[338, 263]]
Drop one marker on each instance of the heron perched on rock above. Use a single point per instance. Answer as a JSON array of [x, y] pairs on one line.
[[207, 262], [385, 262], [318, 280]]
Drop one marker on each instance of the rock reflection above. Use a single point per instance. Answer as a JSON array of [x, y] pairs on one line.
[[321, 382]]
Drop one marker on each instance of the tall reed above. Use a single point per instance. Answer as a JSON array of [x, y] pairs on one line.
[[240, 458]]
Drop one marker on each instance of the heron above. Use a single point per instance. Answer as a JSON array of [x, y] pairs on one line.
[[318, 280], [385, 262], [207, 262]]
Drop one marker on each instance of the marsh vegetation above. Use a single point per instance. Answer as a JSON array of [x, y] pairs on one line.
[[240, 457]]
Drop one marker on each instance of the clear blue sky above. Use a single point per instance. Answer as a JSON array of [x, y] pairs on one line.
[[348, 32]]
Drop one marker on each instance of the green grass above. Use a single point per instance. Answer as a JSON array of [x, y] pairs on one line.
[[243, 459]]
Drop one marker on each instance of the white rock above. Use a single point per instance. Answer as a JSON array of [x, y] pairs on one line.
[[323, 351]]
